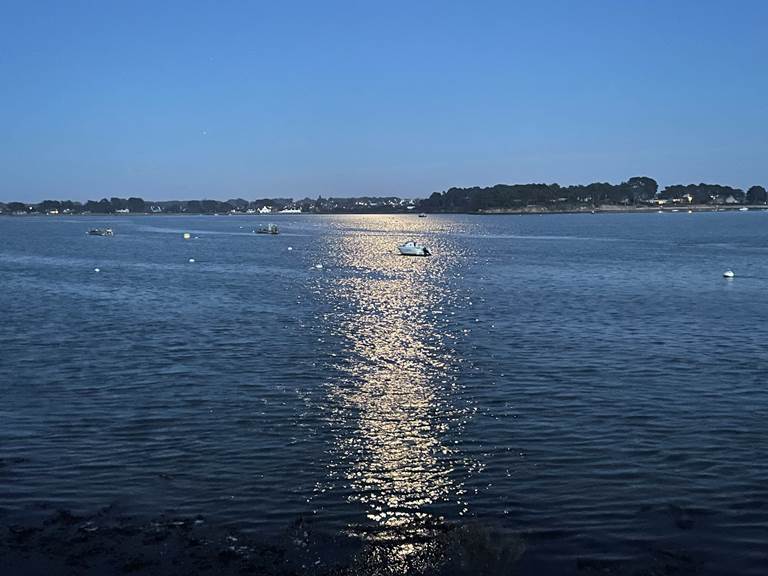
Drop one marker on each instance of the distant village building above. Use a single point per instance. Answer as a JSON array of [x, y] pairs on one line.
[[265, 210]]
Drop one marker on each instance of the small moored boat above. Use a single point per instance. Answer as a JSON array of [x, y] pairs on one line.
[[100, 232], [414, 249], [270, 229], [422, 215]]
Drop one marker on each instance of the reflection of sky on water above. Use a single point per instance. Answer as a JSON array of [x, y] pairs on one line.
[[394, 414]]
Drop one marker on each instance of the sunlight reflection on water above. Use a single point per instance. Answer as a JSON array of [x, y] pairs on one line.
[[393, 409]]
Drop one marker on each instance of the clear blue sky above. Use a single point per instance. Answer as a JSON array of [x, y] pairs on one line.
[[220, 99]]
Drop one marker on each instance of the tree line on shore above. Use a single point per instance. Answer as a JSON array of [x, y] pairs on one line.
[[132, 205], [635, 192]]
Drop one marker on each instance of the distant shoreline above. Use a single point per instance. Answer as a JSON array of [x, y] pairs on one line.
[[637, 194], [529, 210], [611, 209]]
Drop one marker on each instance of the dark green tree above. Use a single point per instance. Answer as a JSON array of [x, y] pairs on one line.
[[48, 205], [757, 195], [135, 205], [640, 189], [209, 206], [16, 207]]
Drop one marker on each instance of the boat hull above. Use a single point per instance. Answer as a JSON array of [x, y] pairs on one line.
[[414, 251], [100, 232]]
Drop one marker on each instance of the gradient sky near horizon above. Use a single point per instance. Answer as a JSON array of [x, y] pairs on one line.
[[191, 99]]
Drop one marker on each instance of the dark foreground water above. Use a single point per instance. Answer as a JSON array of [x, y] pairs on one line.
[[547, 394]]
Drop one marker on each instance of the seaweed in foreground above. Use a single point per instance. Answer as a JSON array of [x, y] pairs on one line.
[[106, 543]]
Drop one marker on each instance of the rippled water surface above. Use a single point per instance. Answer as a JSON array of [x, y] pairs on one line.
[[589, 385]]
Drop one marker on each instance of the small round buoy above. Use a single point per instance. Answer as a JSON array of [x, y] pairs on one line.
[[290, 247], [191, 260], [97, 269], [187, 235], [728, 274]]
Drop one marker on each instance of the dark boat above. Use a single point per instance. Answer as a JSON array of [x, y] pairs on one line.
[[101, 232], [271, 229]]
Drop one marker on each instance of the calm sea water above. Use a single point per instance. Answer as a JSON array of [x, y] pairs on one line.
[[588, 383]]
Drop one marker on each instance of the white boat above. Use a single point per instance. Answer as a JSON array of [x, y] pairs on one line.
[[743, 209], [729, 274], [414, 249]]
